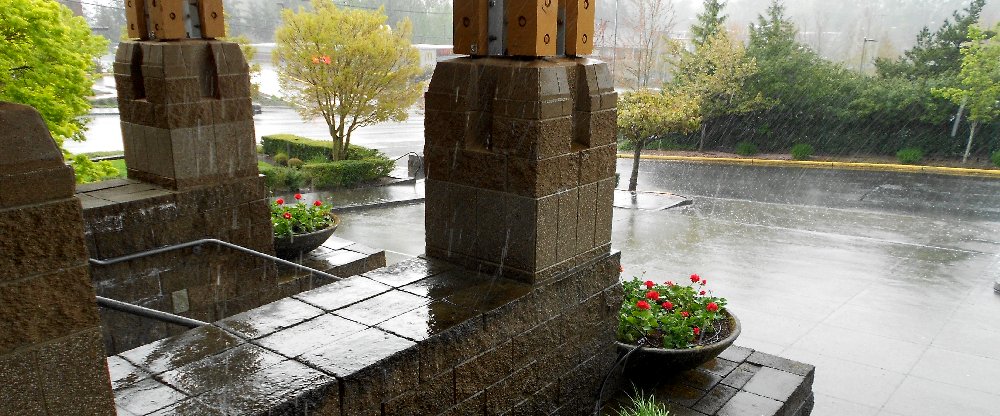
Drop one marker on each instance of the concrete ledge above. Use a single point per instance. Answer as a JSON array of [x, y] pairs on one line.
[[883, 167]]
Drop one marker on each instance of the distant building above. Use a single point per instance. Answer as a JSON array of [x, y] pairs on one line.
[[74, 5]]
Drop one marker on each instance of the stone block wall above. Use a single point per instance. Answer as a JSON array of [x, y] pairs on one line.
[[187, 119], [125, 217], [520, 159], [51, 360], [422, 337]]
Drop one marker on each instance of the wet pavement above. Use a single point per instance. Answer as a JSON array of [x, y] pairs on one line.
[[882, 280]]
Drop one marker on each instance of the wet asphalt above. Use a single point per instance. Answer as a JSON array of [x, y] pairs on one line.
[[882, 280]]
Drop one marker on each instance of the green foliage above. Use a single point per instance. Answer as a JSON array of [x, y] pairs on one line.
[[935, 53], [645, 114], [88, 171], [47, 61], [346, 66], [643, 406], [995, 158], [296, 179], [910, 155], [668, 315], [346, 173], [802, 151], [300, 218], [710, 22], [978, 86], [274, 176], [295, 163], [281, 159], [745, 148]]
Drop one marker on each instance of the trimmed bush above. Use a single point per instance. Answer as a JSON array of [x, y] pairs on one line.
[[746, 149], [274, 176], [295, 162], [802, 151], [347, 172], [295, 179], [910, 156], [281, 159], [996, 158], [296, 146]]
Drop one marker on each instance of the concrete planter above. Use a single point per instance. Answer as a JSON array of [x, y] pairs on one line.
[[655, 363], [296, 245]]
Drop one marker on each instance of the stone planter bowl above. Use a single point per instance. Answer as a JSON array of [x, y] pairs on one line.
[[650, 362], [294, 246]]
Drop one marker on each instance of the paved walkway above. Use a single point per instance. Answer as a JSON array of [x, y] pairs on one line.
[[882, 280]]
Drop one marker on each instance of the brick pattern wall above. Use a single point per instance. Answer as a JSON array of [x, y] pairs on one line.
[[421, 337], [520, 163], [51, 362], [125, 217], [186, 113]]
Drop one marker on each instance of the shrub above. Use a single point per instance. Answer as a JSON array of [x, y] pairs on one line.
[[802, 151], [88, 171], [910, 156], [281, 159], [347, 172], [746, 149], [260, 149], [295, 146], [996, 158], [296, 179], [295, 163], [274, 176], [643, 406]]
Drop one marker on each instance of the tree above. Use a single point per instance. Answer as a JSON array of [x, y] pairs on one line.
[[346, 66], [47, 62], [651, 21], [710, 22], [937, 53], [717, 73], [645, 115], [979, 82]]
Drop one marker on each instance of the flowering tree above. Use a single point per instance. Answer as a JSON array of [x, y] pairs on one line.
[[347, 66]]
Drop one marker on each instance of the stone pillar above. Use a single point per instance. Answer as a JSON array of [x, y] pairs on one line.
[[186, 115], [51, 357], [520, 163]]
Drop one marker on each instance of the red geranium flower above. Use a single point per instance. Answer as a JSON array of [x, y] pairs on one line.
[[712, 307], [668, 305], [696, 330], [650, 284], [695, 278], [326, 59], [642, 305], [653, 295], [702, 293], [704, 282], [298, 196], [279, 201], [670, 282], [288, 215], [685, 314], [318, 203]]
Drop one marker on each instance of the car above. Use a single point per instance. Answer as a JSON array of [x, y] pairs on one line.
[[257, 109]]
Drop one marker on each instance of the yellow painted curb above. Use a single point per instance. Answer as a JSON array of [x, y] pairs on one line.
[[885, 167]]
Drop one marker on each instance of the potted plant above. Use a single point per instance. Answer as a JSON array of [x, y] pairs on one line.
[[300, 228], [669, 327]]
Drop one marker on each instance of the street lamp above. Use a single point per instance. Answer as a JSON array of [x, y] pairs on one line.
[[864, 44]]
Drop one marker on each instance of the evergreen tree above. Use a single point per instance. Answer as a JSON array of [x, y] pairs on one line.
[[710, 22], [935, 53]]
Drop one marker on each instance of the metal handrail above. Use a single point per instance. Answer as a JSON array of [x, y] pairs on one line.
[[149, 313], [147, 253], [177, 319]]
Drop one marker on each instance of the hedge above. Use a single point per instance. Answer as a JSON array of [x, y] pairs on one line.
[[347, 172], [308, 149], [296, 146]]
